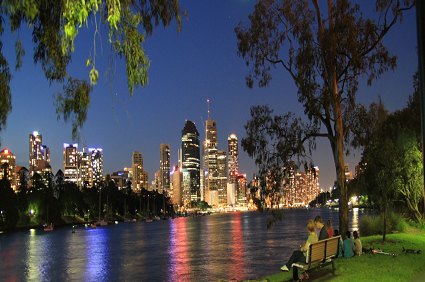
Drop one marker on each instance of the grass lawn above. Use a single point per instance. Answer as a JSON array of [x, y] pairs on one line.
[[378, 267]]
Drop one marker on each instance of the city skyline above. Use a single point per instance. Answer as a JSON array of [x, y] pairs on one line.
[[188, 68]]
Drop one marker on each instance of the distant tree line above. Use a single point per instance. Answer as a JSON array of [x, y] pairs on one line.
[[51, 198]]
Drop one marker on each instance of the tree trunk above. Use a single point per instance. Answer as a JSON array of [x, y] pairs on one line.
[[338, 152], [385, 222]]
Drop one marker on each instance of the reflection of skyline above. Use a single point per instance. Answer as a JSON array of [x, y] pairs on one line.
[[38, 265], [97, 254], [238, 264], [178, 248], [355, 221]]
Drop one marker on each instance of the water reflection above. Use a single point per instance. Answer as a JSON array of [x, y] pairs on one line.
[[179, 267], [237, 265], [97, 255], [355, 220], [39, 257]]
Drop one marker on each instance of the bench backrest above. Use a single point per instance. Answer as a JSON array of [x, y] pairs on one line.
[[322, 250]]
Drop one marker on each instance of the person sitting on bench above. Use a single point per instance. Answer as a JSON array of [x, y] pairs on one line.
[[323, 231], [300, 256]]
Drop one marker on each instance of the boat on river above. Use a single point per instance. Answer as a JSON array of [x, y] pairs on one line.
[[48, 227]]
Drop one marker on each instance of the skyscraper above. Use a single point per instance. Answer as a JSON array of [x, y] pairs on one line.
[[190, 158], [9, 170], [164, 167], [96, 165], [241, 189], [35, 151], [233, 160], [210, 161], [140, 177], [177, 186], [39, 155], [70, 162], [222, 178]]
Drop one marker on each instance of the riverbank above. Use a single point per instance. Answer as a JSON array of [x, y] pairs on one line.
[[65, 221], [369, 267]]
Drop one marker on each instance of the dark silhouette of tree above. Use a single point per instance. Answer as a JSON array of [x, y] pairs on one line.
[[91, 199], [72, 200], [324, 51], [8, 204], [23, 175]]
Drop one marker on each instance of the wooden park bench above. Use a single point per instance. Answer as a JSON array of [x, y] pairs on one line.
[[319, 254]]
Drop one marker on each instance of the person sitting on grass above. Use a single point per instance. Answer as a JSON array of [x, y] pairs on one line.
[[336, 234], [323, 231], [329, 226], [358, 243], [348, 246], [300, 256]]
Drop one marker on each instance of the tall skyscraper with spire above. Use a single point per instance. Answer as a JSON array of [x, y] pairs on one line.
[[233, 160], [164, 168], [191, 163], [210, 161]]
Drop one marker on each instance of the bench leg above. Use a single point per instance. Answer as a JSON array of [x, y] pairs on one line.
[[333, 267], [295, 273]]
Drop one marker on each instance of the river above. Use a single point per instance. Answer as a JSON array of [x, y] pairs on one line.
[[208, 248]]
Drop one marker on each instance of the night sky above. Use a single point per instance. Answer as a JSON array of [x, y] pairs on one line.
[[188, 68]]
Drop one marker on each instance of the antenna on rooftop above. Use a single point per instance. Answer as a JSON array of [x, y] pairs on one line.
[[208, 101]]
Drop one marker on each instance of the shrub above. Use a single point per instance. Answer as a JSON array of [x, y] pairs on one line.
[[368, 226], [416, 224], [375, 225]]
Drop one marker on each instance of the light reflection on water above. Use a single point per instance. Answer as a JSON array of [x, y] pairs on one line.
[[209, 248], [179, 266], [97, 254]]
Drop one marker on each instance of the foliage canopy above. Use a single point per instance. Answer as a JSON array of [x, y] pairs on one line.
[[55, 25]]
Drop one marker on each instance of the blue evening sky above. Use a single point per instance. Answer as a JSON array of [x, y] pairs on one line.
[[188, 68]]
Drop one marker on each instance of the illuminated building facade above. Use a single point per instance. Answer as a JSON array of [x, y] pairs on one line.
[[96, 165], [140, 177], [312, 184], [301, 188], [39, 155], [164, 161], [210, 163], [358, 170], [85, 170], [90, 167], [231, 196], [222, 178], [121, 179], [241, 189], [186, 195], [289, 184], [190, 160], [70, 162], [233, 161], [177, 175], [348, 173], [8, 168]]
